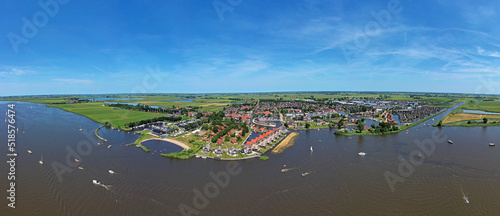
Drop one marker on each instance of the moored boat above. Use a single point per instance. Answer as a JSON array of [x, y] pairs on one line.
[[492, 144], [361, 153]]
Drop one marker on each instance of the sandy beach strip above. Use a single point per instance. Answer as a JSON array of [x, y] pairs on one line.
[[176, 142], [287, 142]]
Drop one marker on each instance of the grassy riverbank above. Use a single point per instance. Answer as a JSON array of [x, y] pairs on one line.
[[475, 124], [184, 154], [102, 114], [97, 134], [458, 116], [144, 136], [287, 142], [488, 106]]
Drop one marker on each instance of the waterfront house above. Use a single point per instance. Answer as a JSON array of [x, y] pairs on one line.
[[206, 148], [218, 151], [232, 151]]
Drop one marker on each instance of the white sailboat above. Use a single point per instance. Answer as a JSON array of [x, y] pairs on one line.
[[41, 161]]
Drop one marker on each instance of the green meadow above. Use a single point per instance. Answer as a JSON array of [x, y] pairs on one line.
[[103, 114], [489, 106]]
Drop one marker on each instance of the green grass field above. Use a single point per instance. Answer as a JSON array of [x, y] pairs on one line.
[[103, 114], [489, 106], [44, 100]]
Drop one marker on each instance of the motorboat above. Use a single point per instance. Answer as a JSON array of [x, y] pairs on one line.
[[361, 153], [304, 174], [29, 151], [450, 142], [76, 160], [80, 168], [492, 144], [111, 172], [109, 146], [284, 170], [311, 148], [41, 160]]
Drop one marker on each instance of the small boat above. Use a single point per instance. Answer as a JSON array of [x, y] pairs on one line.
[[319, 140], [492, 144], [41, 160], [466, 200], [111, 172], [318, 129], [419, 155], [29, 151], [109, 146], [96, 182], [311, 148], [81, 129], [80, 168], [304, 174], [76, 160], [204, 157], [450, 142], [361, 153], [284, 170], [98, 144]]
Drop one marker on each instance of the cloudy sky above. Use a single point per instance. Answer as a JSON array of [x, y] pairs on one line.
[[186, 46]]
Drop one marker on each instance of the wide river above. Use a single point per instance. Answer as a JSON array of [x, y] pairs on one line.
[[340, 182]]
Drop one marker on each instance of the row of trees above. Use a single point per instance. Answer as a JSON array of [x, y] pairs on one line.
[[157, 119], [147, 108]]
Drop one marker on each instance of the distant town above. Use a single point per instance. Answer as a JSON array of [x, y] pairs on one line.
[[246, 126]]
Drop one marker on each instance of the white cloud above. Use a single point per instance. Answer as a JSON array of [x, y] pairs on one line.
[[9, 71], [74, 81]]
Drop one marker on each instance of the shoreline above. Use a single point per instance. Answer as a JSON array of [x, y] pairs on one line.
[[97, 134], [401, 128], [175, 142], [285, 143]]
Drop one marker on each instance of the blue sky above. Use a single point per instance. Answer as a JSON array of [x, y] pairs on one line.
[[183, 46]]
